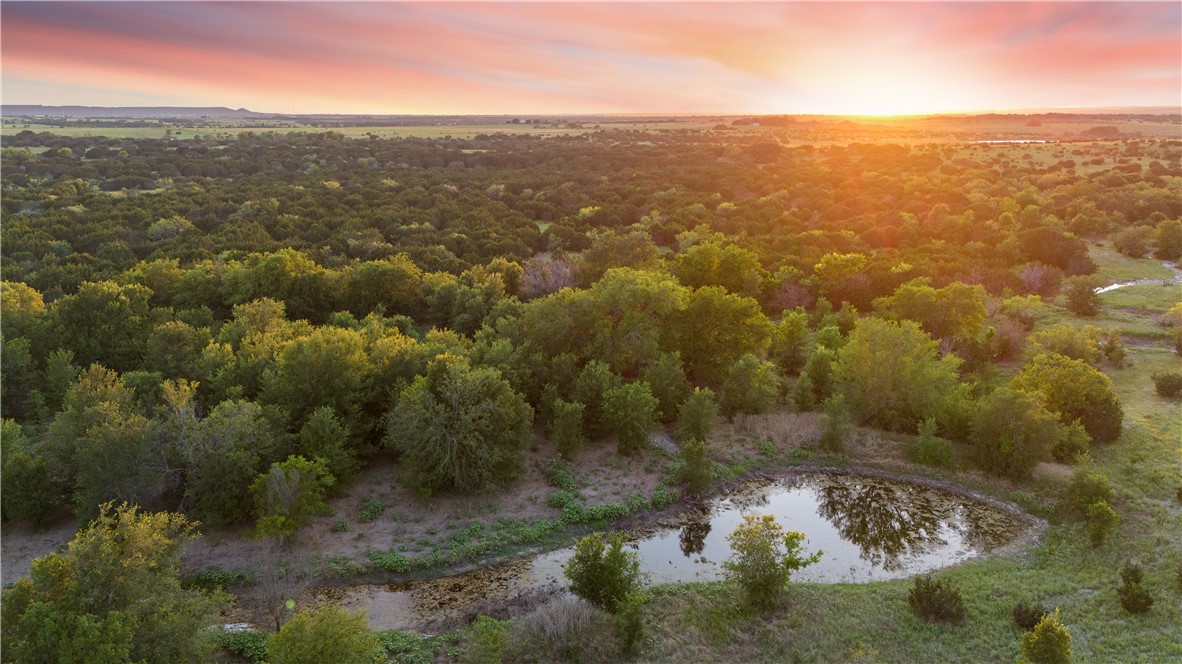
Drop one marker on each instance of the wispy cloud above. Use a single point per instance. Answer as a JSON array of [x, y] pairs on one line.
[[592, 57]]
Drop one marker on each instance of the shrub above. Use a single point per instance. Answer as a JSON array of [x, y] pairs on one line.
[[1027, 616], [1133, 596], [936, 600], [370, 510], [408, 648], [602, 572], [631, 412], [1073, 445], [340, 526], [560, 475], [929, 449], [328, 634], [247, 644], [629, 621], [763, 558], [837, 424], [1048, 643], [389, 561], [698, 414], [487, 639], [1086, 487], [1102, 520], [558, 628], [802, 394], [1168, 385], [696, 469]]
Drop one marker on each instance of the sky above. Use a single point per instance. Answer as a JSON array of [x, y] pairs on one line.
[[573, 57]]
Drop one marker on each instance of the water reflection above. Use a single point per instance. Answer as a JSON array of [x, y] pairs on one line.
[[885, 520], [693, 537]]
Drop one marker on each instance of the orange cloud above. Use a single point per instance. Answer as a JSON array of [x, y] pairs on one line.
[[593, 57]]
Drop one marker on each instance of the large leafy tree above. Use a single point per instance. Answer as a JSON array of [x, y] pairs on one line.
[[892, 375], [1074, 390], [115, 595], [716, 328], [327, 634], [460, 428], [632, 412]]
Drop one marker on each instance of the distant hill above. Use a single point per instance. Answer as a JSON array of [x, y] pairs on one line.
[[37, 110]]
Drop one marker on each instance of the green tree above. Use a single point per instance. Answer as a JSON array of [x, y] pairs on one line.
[[788, 340], [1074, 391], [115, 595], [631, 411], [103, 322], [751, 386], [1012, 432], [327, 634], [666, 378], [1082, 299], [324, 437], [329, 367], [892, 375], [696, 471], [956, 311], [566, 427], [1080, 343], [1102, 521], [289, 494], [29, 494], [1168, 236], [226, 452], [460, 428], [819, 371], [602, 571], [716, 329], [708, 263], [802, 393], [697, 415], [763, 558], [837, 424], [1048, 643], [590, 388]]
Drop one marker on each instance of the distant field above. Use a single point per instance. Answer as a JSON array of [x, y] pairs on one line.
[[418, 131]]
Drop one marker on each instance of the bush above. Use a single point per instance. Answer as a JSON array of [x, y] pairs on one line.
[[558, 629], [929, 449], [696, 469], [763, 558], [1048, 643], [248, 644], [936, 600], [1133, 596], [1102, 520], [560, 475], [629, 620], [602, 572], [1073, 445], [1027, 616], [370, 510], [389, 561], [802, 394], [698, 414], [1168, 385], [1086, 487], [328, 634], [487, 639], [837, 424]]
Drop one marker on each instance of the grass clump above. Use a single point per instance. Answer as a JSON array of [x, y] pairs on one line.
[[389, 561], [937, 601], [560, 475]]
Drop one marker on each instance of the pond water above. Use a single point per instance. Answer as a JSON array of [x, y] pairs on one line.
[[869, 528]]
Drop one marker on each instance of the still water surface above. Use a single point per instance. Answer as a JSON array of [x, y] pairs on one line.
[[869, 528]]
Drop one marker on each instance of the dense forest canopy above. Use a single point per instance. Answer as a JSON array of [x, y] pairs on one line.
[[202, 309]]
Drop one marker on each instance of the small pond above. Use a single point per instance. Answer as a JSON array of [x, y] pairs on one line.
[[869, 528]]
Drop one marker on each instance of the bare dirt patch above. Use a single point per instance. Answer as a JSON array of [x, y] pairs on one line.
[[411, 524]]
